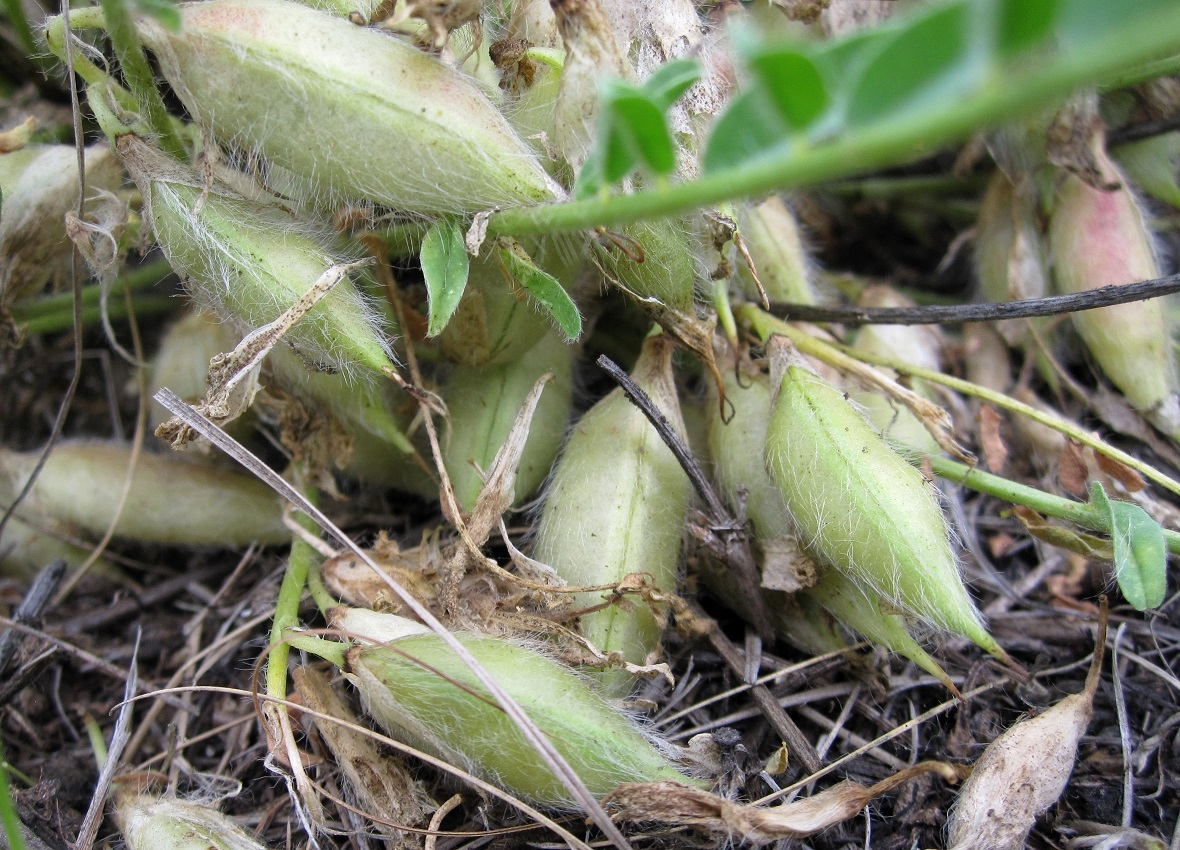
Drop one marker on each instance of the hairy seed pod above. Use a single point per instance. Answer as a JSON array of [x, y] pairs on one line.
[[859, 507], [1010, 255], [421, 693], [772, 237], [172, 500], [1023, 772], [856, 610], [250, 262], [410, 132], [483, 403], [916, 345], [616, 506], [39, 185], [738, 464], [158, 823], [652, 259], [1099, 238]]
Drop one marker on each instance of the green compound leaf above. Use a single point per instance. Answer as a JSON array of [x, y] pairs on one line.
[[633, 129], [794, 85], [542, 286], [444, 266], [639, 135], [1024, 24], [1140, 550]]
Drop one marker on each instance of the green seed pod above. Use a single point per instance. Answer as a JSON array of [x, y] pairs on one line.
[[249, 263], [653, 259], [172, 500], [1100, 238], [772, 237], [616, 506], [157, 823], [1010, 261], [856, 610], [39, 185], [859, 507], [917, 345], [421, 693], [483, 403], [737, 463], [412, 133]]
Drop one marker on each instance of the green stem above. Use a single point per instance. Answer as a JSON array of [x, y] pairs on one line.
[[832, 353], [139, 77], [287, 607], [1003, 98], [1079, 513], [329, 650], [89, 17], [324, 600], [63, 320], [132, 281]]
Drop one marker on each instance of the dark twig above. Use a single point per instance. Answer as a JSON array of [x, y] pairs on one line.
[[1137, 132], [730, 534], [947, 314], [29, 611]]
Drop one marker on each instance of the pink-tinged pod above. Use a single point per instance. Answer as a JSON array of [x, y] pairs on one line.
[[1100, 238]]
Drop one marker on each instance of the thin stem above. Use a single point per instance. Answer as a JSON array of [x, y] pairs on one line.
[[133, 281], [91, 314], [287, 607], [329, 650], [139, 77], [324, 600], [833, 353], [1005, 96]]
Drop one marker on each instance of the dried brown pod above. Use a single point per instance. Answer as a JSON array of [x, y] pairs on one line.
[[1023, 772]]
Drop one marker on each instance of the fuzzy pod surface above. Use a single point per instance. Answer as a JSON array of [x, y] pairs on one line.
[[1100, 238], [249, 262], [616, 505], [172, 501], [423, 694], [483, 403], [776, 246], [349, 113], [859, 507], [160, 823], [39, 185]]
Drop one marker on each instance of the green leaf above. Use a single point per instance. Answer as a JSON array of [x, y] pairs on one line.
[[925, 62], [1023, 24], [542, 286], [747, 130], [444, 266], [638, 133], [1140, 550], [671, 80], [164, 11], [793, 84]]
